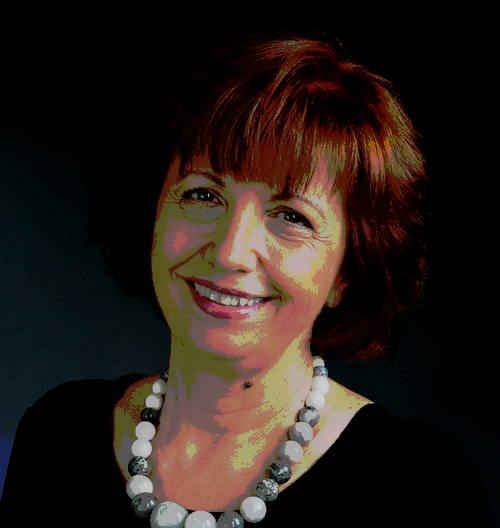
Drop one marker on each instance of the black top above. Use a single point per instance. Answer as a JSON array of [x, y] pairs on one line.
[[381, 471]]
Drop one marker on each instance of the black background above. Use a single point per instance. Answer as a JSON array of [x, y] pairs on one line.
[[65, 95]]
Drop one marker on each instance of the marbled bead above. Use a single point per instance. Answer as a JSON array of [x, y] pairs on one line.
[[267, 490], [170, 514], [143, 504], [301, 433], [320, 371], [164, 374], [140, 466], [280, 471], [230, 519], [309, 415], [149, 415]]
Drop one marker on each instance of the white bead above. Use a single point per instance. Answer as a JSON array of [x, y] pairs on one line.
[[145, 431], [253, 509], [321, 384], [138, 484], [315, 399], [142, 448], [169, 514], [200, 519], [291, 451], [318, 362], [159, 386], [155, 401], [301, 432]]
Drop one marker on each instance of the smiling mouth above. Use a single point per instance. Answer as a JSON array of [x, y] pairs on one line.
[[222, 299]]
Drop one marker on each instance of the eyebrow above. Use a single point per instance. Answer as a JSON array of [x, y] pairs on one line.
[[285, 196]]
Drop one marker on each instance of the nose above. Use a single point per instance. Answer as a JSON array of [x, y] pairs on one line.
[[242, 243]]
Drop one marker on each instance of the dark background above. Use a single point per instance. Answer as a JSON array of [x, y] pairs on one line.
[[64, 97]]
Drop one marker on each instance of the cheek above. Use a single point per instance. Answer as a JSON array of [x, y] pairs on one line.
[[302, 265], [178, 243], [309, 273], [175, 238]]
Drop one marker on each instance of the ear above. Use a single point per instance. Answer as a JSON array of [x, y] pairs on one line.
[[337, 292]]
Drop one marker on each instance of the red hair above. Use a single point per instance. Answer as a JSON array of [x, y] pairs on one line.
[[263, 106]]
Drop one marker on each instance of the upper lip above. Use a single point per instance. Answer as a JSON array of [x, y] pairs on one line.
[[227, 291]]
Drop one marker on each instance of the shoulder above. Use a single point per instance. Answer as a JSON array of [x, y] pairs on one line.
[[78, 397], [341, 405], [368, 432], [134, 394], [417, 462], [445, 476], [417, 466]]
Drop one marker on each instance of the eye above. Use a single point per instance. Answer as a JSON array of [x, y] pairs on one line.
[[296, 218], [205, 196]]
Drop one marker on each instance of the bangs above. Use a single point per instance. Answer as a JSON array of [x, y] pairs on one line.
[[271, 106], [277, 140]]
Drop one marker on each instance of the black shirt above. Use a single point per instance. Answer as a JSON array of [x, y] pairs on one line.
[[381, 471]]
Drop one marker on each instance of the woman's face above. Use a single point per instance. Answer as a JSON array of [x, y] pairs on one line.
[[235, 236]]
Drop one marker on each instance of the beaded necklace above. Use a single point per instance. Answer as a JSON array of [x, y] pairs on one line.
[[253, 509]]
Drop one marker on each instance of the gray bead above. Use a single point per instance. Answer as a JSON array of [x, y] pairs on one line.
[[280, 471], [309, 415], [301, 433], [143, 505], [267, 490], [230, 519], [320, 371], [140, 466]]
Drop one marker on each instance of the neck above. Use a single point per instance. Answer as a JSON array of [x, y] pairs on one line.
[[208, 401]]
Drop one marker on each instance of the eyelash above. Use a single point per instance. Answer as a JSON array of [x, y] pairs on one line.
[[301, 218]]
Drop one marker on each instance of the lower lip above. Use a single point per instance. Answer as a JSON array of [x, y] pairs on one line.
[[224, 312]]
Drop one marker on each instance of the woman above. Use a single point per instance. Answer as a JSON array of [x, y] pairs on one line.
[[278, 220]]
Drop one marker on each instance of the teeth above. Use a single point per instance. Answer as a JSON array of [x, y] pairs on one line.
[[226, 300], [214, 296]]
